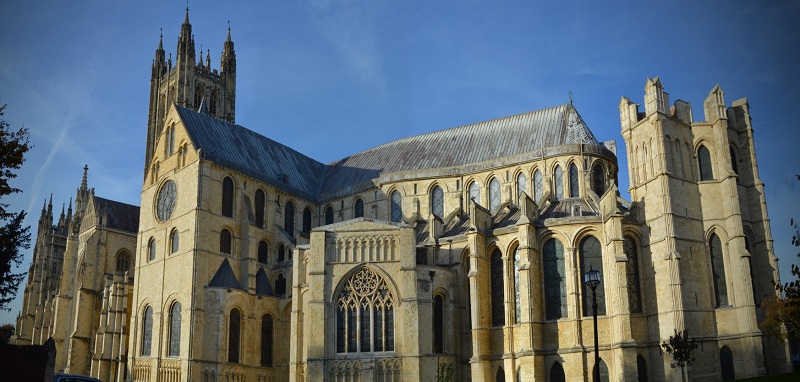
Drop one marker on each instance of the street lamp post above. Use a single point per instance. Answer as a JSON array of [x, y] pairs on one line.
[[592, 279]]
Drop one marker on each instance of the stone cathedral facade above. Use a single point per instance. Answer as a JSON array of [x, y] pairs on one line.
[[457, 252]]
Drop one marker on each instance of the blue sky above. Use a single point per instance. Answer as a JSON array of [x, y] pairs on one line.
[[331, 78]]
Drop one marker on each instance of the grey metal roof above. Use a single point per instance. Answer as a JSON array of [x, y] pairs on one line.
[[563, 208], [507, 216], [224, 278], [121, 216], [240, 149]]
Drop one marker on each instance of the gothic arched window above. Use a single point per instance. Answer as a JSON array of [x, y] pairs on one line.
[[329, 215], [174, 241], [397, 207], [260, 200], [641, 368], [281, 253], [358, 208], [704, 163], [307, 220], [501, 376], [263, 252], [123, 261], [225, 241], [494, 194], [266, 340], [521, 183], [734, 162], [498, 297], [280, 285], [726, 364], [603, 371], [718, 271], [573, 181], [559, 180], [557, 373], [288, 219], [147, 331], [538, 186], [227, 197], [212, 102], [151, 249], [555, 280], [475, 192], [632, 273], [591, 255], [598, 179], [175, 330], [437, 202], [234, 329], [365, 314], [438, 324]]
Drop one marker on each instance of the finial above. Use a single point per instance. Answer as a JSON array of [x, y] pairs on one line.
[[229, 30], [570, 97], [186, 19], [84, 183]]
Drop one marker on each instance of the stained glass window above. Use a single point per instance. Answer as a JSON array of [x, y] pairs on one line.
[[555, 280], [632, 273], [438, 324], [397, 207], [329, 215], [437, 202], [364, 314], [521, 183], [498, 297], [475, 192], [266, 341], [288, 219], [573, 181], [260, 200], [591, 255], [358, 208], [263, 252], [494, 194], [174, 240], [147, 331], [175, 330], [517, 291], [704, 163], [234, 328], [537, 185], [307, 220], [718, 271], [598, 180], [227, 197], [225, 241], [559, 177]]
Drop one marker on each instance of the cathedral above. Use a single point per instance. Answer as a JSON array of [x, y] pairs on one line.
[[457, 255]]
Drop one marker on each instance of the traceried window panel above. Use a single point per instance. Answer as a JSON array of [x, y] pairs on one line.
[[498, 297], [175, 330], [704, 163], [521, 183], [397, 207], [559, 180], [718, 271], [358, 208], [494, 194], [475, 192], [598, 179], [555, 280], [591, 256], [147, 331], [365, 314], [437, 202], [573, 181], [227, 197], [632, 273], [538, 186]]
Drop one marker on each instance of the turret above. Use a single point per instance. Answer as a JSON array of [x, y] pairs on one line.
[[227, 62], [714, 105], [655, 99]]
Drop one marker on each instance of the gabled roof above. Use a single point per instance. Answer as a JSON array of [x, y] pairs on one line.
[[121, 216], [243, 150]]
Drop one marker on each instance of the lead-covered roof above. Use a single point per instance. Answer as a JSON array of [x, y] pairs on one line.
[[243, 150]]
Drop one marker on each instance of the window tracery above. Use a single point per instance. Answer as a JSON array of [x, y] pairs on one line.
[[147, 331], [632, 273], [573, 181], [397, 207], [559, 176], [365, 314], [437, 202], [475, 192], [537, 185], [494, 194], [591, 256], [175, 330], [521, 183], [555, 280]]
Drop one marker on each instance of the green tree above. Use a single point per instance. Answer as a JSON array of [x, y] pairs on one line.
[[13, 236], [680, 346], [6, 331]]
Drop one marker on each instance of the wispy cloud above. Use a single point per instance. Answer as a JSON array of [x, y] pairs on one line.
[[41, 173], [351, 27]]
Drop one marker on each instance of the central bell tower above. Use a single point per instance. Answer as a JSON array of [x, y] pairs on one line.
[[190, 83]]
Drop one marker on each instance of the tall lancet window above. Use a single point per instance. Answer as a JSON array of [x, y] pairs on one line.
[[260, 201], [175, 330], [573, 181], [437, 202], [632, 273], [591, 255], [558, 174], [497, 285], [147, 331], [704, 163], [538, 185], [397, 207], [555, 280], [227, 197], [365, 314], [234, 329], [475, 192], [494, 194], [718, 271], [521, 183]]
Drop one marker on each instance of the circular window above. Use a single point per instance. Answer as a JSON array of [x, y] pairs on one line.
[[167, 197]]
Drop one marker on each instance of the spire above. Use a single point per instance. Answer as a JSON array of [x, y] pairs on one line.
[[186, 40], [160, 39], [186, 19], [84, 183], [208, 58], [228, 59], [69, 210], [50, 206]]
